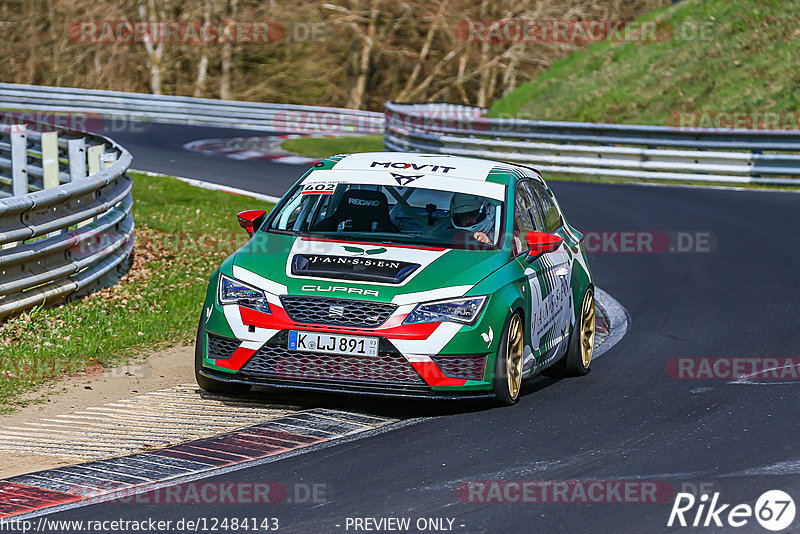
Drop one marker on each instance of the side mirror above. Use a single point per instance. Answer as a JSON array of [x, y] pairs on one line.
[[540, 243], [251, 220]]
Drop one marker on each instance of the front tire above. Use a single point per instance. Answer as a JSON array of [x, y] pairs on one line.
[[578, 358], [508, 365], [209, 384]]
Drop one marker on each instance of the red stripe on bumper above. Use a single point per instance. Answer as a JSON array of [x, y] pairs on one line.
[[392, 329], [277, 320], [431, 374], [237, 360]]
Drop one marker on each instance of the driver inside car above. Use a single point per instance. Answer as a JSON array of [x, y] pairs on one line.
[[473, 214]]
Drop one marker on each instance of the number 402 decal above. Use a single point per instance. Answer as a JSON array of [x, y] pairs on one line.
[[319, 189]]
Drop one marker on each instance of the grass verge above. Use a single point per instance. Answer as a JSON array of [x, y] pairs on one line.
[[322, 147], [182, 234], [718, 55]]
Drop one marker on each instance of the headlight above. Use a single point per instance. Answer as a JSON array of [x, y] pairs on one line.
[[463, 310], [233, 291]]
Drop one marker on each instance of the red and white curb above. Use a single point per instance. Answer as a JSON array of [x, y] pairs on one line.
[[616, 321], [47, 491], [266, 148]]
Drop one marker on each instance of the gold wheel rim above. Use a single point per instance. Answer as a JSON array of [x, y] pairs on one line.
[[514, 356], [587, 328]]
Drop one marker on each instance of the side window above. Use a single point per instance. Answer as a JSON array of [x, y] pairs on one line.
[[526, 215], [550, 215]]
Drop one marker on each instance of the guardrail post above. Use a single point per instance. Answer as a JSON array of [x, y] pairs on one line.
[[93, 154], [19, 160], [50, 160], [50, 166], [107, 160], [76, 150]]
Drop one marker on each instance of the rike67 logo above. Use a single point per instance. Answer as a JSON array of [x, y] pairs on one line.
[[774, 510]]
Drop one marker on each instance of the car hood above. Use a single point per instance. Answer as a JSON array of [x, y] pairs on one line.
[[292, 265]]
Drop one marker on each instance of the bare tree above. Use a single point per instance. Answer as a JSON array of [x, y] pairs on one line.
[[202, 65], [227, 55], [368, 43], [423, 53], [148, 11], [371, 51]]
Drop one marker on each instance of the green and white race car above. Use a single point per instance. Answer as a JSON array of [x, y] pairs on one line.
[[398, 274]]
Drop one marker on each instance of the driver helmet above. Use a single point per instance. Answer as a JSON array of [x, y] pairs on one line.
[[472, 213]]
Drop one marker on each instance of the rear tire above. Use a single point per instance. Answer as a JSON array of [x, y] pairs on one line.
[[209, 384], [578, 358], [508, 364]]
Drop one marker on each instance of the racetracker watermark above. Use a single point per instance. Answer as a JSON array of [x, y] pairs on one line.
[[699, 121], [195, 32], [117, 525], [649, 242], [166, 243], [326, 122], [35, 367], [568, 491], [77, 121], [600, 242], [733, 368], [177, 243], [581, 31], [457, 120], [252, 493]]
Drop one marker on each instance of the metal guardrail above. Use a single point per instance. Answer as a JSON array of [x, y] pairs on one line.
[[188, 110], [63, 232], [603, 151]]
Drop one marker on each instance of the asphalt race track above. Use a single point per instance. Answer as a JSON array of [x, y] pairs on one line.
[[158, 148], [628, 420]]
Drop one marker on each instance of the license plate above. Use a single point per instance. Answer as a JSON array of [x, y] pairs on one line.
[[333, 343]]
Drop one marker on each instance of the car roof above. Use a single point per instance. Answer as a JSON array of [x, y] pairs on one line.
[[440, 164], [322, 181]]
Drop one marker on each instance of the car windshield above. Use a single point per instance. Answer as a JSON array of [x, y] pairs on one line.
[[392, 214]]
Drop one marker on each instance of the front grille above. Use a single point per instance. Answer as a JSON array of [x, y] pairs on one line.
[[469, 367], [339, 312], [280, 363], [221, 348]]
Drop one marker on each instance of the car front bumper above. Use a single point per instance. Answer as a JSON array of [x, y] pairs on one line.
[[384, 389]]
